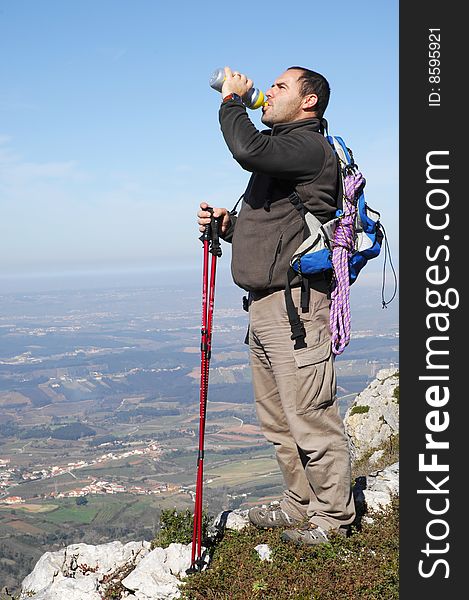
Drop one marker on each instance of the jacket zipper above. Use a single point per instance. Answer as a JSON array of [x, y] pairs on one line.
[[277, 252]]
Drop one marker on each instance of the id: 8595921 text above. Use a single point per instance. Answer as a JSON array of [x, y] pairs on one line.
[[434, 67]]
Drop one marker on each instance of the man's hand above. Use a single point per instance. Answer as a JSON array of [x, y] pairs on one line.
[[219, 213], [235, 83]]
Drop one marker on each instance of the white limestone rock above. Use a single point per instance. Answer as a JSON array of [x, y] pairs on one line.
[[76, 571], [46, 572], [69, 589], [376, 457], [381, 486], [158, 575], [379, 419], [235, 519], [228, 519], [264, 552]]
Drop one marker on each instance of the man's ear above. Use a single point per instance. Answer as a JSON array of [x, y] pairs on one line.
[[310, 102]]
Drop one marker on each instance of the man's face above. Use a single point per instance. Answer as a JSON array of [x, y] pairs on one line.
[[284, 100]]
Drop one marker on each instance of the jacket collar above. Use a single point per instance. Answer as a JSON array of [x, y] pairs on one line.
[[313, 124]]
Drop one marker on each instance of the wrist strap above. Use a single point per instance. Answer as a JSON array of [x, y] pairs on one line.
[[232, 97]]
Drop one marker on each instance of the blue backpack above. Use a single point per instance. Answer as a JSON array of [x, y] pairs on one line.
[[313, 258], [314, 255]]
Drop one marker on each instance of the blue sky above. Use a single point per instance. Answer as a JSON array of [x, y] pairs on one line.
[[109, 134]]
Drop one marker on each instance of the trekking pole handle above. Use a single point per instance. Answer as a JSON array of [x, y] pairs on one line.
[[211, 233], [215, 247], [205, 237]]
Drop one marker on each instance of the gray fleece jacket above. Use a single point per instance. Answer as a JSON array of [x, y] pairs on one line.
[[289, 157]]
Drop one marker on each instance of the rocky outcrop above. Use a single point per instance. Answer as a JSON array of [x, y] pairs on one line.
[[381, 486], [373, 419], [159, 574], [84, 572], [374, 492], [228, 519]]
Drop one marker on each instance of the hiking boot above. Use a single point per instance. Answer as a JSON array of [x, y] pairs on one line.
[[310, 536], [270, 516]]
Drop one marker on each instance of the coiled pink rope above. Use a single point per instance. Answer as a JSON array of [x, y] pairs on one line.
[[342, 247]]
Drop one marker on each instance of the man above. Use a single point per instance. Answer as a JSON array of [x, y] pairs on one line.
[[294, 388]]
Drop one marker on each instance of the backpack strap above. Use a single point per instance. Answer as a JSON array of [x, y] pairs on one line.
[[344, 159], [297, 203], [298, 331], [296, 325], [234, 211]]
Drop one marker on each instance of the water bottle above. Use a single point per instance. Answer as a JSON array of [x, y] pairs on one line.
[[254, 98]]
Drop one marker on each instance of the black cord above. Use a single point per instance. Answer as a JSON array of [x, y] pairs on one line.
[[387, 252]]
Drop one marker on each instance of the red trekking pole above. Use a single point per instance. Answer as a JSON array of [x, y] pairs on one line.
[[212, 246]]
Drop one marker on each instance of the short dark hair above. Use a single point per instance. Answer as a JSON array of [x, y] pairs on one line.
[[314, 83]]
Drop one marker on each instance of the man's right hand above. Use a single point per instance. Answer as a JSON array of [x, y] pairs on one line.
[[203, 217], [236, 83]]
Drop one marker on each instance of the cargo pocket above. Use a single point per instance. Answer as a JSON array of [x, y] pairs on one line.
[[315, 377]]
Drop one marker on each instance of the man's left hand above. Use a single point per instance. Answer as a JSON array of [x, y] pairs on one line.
[[235, 83]]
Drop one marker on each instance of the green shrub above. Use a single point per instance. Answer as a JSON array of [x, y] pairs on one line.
[[177, 526], [359, 409], [396, 394]]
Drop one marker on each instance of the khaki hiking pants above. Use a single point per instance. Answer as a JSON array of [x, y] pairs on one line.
[[295, 393]]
